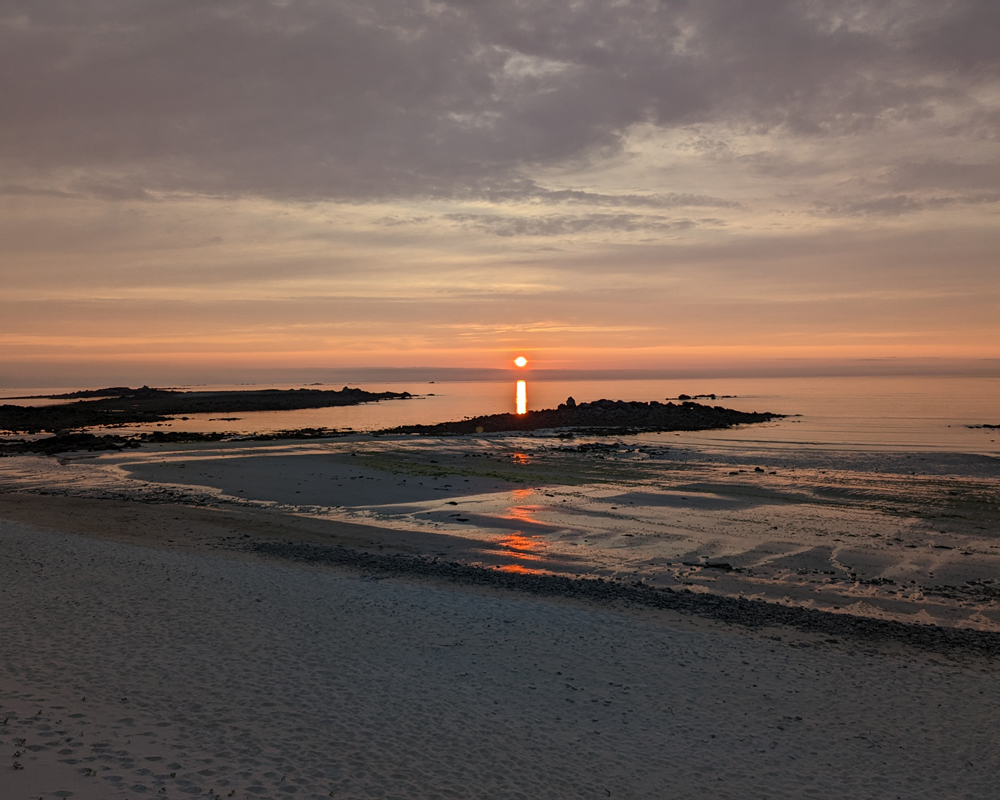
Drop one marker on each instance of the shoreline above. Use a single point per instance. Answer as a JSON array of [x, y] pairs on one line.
[[864, 537], [366, 550]]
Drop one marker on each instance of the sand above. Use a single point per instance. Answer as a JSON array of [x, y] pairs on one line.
[[147, 648], [130, 670]]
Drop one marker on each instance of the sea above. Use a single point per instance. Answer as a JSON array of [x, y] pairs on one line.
[[896, 413]]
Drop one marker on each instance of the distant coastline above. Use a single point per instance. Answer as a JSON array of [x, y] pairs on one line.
[[123, 405]]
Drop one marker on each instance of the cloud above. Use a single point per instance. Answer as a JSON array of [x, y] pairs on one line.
[[17, 190], [899, 204], [941, 174], [122, 189], [359, 101], [567, 225], [880, 206], [395, 221], [525, 190]]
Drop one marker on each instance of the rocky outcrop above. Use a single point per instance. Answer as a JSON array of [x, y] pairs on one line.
[[131, 406], [602, 416]]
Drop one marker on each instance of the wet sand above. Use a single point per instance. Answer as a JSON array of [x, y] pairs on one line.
[[910, 537]]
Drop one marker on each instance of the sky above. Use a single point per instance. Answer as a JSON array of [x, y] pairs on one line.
[[192, 189]]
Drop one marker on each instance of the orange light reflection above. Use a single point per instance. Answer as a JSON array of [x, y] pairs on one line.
[[525, 515], [521, 514], [521, 570], [522, 545], [522, 397]]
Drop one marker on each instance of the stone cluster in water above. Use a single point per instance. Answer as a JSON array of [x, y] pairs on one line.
[[602, 416]]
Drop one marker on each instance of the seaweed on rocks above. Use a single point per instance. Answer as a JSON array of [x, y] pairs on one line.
[[65, 443], [89, 442], [601, 417], [297, 433]]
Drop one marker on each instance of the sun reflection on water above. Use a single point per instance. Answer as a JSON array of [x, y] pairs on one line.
[[522, 545], [522, 397], [521, 514], [521, 570], [523, 548]]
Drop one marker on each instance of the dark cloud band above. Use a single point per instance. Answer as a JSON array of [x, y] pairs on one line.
[[359, 101]]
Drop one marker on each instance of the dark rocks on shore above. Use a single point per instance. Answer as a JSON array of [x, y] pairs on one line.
[[710, 396], [123, 406], [72, 442], [600, 417], [298, 433], [66, 443]]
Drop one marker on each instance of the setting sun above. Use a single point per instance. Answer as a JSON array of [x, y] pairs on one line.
[[520, 361]]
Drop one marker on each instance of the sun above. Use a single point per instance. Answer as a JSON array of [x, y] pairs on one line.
[[520, 361]]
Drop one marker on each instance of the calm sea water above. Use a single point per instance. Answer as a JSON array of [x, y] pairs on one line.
[[921, 413]]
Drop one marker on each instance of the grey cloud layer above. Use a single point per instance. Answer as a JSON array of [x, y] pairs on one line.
[[405, 98], [523, 190], [565, 225], [895, 205]]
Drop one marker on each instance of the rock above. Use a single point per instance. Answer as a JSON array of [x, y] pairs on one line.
[[145, 405]]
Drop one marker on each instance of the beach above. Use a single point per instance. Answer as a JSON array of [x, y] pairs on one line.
[[399, 617], [134, 668], [874, 534]]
